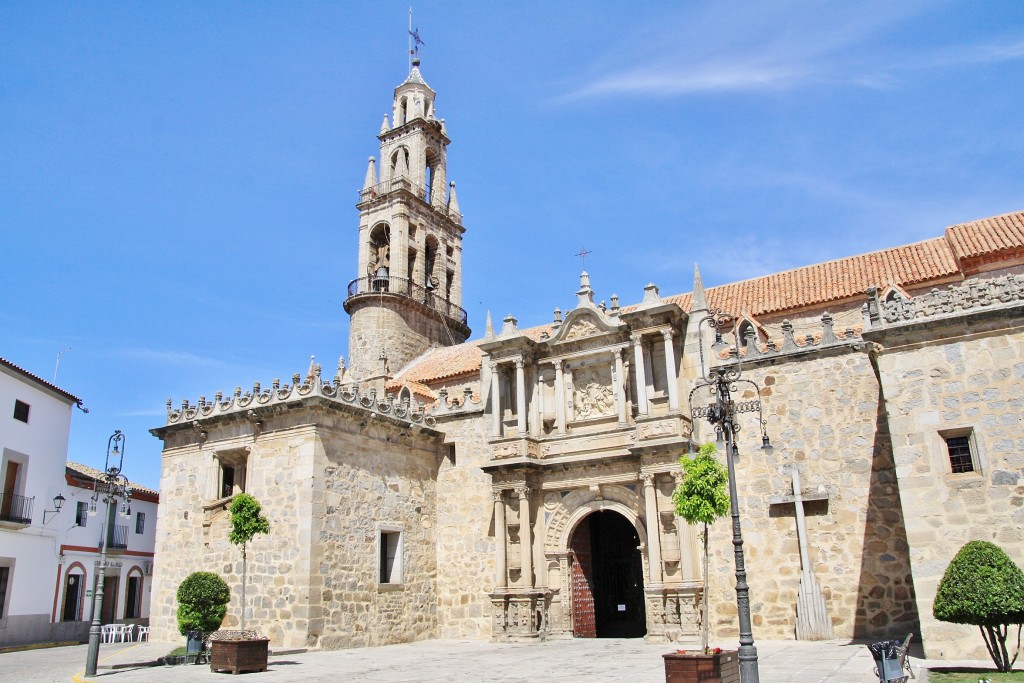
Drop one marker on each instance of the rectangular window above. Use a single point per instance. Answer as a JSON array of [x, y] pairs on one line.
[[390, 556], [133, 597], [140, 522], [81, 513], [20, 410], [961, 458], [5, 573], [227, 481]]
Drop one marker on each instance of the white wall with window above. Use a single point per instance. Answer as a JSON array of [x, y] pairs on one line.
[[35, 422]]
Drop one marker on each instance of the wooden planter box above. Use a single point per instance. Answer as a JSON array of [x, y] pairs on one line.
[[237, 656], [723, 667]]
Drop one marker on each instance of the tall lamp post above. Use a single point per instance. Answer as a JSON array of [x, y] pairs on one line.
[[108, 487], [721, 382]]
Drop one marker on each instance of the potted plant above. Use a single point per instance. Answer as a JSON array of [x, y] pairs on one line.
[[244, 651], [202, 603], [701, 498]]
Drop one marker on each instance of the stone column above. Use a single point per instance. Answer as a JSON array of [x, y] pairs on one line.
[[620, 387], [495, 402], [500, 541], [538, 425], [521, 396], [525, 540], [653, 529], [559, 398], [641, 377], [670, 372]]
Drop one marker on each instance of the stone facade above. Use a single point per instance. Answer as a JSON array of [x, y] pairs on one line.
[[334, 471], [520, 485]]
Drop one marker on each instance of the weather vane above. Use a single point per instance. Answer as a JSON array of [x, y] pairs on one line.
[[583, 253], [414, 40]]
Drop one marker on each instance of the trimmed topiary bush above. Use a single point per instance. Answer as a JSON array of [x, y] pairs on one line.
[[202, 602], [984, 587]]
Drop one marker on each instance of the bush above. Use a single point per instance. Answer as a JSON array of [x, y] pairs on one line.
[[983, 586], [202, 602]]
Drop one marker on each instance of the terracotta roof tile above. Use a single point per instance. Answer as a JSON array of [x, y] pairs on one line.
[[816, 285], [837, 280], [94, 474], [988, 236]]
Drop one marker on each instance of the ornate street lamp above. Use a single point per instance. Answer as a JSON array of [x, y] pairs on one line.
[[107, 488], [722, 382]]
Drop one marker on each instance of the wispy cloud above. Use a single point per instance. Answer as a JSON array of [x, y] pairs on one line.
[[176, 358], [726, 48]]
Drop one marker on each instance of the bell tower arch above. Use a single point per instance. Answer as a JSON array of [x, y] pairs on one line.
[[407, 294]]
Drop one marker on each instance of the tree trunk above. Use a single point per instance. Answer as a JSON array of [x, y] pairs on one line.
[[244, 603], [705, 625]]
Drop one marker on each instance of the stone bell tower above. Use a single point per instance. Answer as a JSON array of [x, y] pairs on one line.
[[407, 295]]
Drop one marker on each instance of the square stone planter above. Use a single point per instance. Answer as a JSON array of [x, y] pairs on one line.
[[695, 667], [238, 656]]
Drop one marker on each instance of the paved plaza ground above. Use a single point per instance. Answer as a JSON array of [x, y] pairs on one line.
[[588, 660]]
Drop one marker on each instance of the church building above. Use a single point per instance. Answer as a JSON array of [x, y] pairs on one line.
[[517, 486]]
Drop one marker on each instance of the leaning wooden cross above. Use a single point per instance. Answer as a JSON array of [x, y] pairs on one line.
[[812, 620]]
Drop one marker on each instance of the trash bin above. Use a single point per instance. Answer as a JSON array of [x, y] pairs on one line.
[[887, 660]]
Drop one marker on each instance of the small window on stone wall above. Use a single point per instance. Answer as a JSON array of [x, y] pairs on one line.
[[390, 556], [962, 451]]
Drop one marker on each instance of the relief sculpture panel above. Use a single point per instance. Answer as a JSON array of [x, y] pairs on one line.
[[592, 394]]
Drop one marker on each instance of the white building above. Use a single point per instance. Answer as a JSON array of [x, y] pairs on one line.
[[35, 420], [131, 535], [51, 529]]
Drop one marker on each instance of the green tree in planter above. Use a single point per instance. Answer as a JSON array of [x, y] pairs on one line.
[[983, 586], [247, 520], [202, 602], [701, 498]]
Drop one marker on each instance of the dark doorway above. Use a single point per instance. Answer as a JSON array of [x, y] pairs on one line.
[[608, 586], [110, 586], [72, 597]]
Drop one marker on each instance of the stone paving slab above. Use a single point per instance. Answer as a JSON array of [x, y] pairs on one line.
[[447, 661]]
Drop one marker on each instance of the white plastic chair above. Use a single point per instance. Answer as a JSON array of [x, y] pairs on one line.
[[143, 632], [108, 632], [125, 636]]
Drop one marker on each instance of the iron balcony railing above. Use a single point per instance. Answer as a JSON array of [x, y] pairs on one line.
[[14, 508], [403, 287], [117, 535]]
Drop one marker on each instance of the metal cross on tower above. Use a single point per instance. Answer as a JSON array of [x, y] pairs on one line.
[[583, 253]]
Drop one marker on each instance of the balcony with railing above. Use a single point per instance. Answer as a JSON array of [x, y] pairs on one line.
[[16, 509], [439, 203], [381, 285], [117, 537]]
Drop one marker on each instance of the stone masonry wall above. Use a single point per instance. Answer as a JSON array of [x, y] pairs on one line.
[[328, 480], [368, 480], [396, 327], [189, 539], [823, 413], [465, 532], [963, 383]]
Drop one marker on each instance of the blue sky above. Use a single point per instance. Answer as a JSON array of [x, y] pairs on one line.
[[178, 180]]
